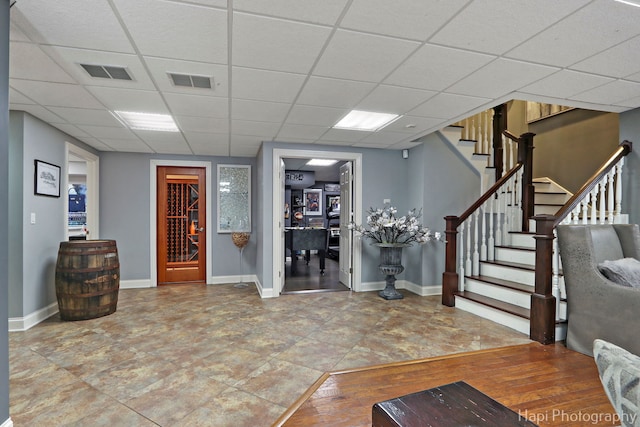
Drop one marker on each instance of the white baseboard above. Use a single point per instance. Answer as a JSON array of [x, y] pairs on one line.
[[136, 284], [402, 284], [17, 324], [7, 423]]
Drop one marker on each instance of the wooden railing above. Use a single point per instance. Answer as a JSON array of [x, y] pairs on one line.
[[598, 201], [501, 209]]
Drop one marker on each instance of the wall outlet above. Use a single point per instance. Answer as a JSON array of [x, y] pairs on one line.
[[386, 201]]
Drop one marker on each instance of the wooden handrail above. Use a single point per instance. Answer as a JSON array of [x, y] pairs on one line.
[[624, 148]]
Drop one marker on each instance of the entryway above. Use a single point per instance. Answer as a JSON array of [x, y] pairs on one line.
[[346, 267]]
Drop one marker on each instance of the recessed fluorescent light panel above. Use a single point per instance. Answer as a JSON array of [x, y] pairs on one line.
[[365, 120], [147, 121], [321, 162]]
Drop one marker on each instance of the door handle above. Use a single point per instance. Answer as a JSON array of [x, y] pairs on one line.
[[201, 229]]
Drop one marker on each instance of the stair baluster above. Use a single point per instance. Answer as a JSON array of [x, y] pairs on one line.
[[461, 270], [603, 209], [468, 264], [618, 211], [555, 279], [491, 242], [610, 196], [483, 242]]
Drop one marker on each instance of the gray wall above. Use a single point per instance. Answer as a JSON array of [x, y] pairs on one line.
[[125, 208], [448, 187], [630, 130], [4, 214]]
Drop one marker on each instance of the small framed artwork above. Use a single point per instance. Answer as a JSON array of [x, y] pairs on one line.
[[312, 201], [46, 179]]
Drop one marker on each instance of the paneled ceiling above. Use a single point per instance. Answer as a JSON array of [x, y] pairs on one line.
[[288, 70]]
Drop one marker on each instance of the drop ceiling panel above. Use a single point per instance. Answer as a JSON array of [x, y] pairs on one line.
[[436, 68], [129, 100], [394, 99], [348, 136], [16, 97], [38, 111], [501, 77], [265, 85], [164, 142], [202, 140], [382, 138], [55, 94], [317, 116], [359, 56], [265, 130], [15, 33], [611, 93], [127, 145], [30, 63], [326, 92], [213, 3], [566, 83], [412, 19], [259, 111], [492, 27], [318, 12], [276, 44], [72, 130], [108, 132], [97, 144], [448, 105], [199, 106], [291, 131], [205, 40], [72, 23], [84, 116], [582, 34], [202, 124], [71, 58], [412, 124], [619, 61]]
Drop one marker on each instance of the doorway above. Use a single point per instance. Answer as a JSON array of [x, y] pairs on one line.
[[352, 251], [153, 214], [181, 222], [82, 207]]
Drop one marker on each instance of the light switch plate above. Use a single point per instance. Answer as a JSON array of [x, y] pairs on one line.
[[33, 217]]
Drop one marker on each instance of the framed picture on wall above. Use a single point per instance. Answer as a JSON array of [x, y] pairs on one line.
[[46, 179], [312, 201]]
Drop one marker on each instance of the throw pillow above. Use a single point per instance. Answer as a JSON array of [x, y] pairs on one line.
[[625, 271], [619, 373]]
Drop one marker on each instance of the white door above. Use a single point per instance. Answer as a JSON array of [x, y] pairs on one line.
[[281, 257], [346, 216], [82, 184]]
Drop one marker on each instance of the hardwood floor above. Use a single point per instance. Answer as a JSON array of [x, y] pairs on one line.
[[548, 385]]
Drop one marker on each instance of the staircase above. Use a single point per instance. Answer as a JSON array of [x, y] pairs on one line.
[[491, 265]]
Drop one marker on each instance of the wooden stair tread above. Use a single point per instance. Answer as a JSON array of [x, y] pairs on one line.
[[549, 204], [551, 192], [517, 248], [494, 303], [503, 283], [517, 265]]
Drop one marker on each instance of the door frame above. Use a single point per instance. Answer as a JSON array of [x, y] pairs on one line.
[[153, 235], [92, 178], [278, 203]]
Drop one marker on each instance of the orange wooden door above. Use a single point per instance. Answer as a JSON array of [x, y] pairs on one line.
[[181, 225]]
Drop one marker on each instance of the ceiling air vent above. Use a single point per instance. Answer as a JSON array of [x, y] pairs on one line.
[[107, 72], [186, 80]]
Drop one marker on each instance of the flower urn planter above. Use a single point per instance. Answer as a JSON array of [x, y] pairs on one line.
[[390, 265]]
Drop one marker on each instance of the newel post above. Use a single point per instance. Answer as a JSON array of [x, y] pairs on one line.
[[543, 303], [499, 124], [450, 276], [525, 156]]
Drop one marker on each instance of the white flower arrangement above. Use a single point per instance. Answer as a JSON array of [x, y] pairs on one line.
[[384, 228]]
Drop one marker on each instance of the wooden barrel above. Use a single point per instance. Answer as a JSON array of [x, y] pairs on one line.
[[87, 279]]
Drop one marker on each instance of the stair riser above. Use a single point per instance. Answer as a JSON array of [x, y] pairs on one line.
[[514, 322], [556, 199], [509, 320], [524, 240], [515, 255], [511, 296], [507, 273], [543, 209]]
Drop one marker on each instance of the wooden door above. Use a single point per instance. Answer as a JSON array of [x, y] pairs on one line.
[[181, 225]]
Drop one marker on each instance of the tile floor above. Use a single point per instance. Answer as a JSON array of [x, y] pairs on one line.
[[220, 356]]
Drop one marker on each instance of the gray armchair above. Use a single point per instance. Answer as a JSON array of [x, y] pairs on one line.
[[596, 306]]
